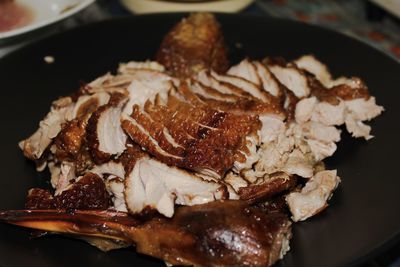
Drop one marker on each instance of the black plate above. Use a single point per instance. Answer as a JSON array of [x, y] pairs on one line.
[[364, 212]]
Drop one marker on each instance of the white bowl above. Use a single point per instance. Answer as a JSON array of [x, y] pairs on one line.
[[152, 6], [46, 12]]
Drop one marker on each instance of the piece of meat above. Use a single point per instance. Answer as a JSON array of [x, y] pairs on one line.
[[305, 109], [105, 136], [49, 127], [224, 233], [314, 66], [313, 196], [116, 188], [87, 192], [154, 185], [194, 44], [146, 85], [66, 174], [275, 184], [258, 74], [292, 77], [38, 198]]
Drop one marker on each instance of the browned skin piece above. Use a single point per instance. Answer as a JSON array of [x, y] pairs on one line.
[[88, 193], [332, 95], [228, 233], [276, 185], [71, 139], [193, 44]]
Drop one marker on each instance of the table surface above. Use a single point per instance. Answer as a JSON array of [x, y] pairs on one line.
[[358, 19]]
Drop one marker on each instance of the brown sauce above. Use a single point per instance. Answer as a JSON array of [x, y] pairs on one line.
[[13, 15]]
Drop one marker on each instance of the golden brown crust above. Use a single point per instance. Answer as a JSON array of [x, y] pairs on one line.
[[193, 44]]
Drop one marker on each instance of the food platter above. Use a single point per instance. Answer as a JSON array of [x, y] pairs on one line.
[[362, 217]]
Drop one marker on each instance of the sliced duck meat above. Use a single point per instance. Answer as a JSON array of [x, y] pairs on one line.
[[299, 164], [314, 66], [329, 114], [152, 184], [258, 74], [87, 192], [291, 77], [87, 104], [105, 136], [275, 184], [246, 70], [363, 109], [146, 86], [116, 189], [49, 127], [304, 109], [111, 168], [209, 78], [313, 196], [253, 89]]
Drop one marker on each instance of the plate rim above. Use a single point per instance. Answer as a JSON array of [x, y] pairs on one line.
[[34, 26]]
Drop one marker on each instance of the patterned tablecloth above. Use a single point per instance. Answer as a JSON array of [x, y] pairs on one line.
[[355, 18]]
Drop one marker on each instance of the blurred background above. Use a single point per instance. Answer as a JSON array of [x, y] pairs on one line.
[[376, 22]]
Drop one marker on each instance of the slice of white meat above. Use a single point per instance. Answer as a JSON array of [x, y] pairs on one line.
[[363, 109], [329, 114], [299, 164], [109, 168], [317, 131], [235, 181], [320, 149], [111, 137], [304, 109], [357, 128], [145, 86], [250, 155], [271, 128], [269, 82], [49, 127], [156, 185], [87, 102], [316, 67], [273, 155], [292, 78], [116, 188], [313, 196], [246, 70], [243, 84]]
